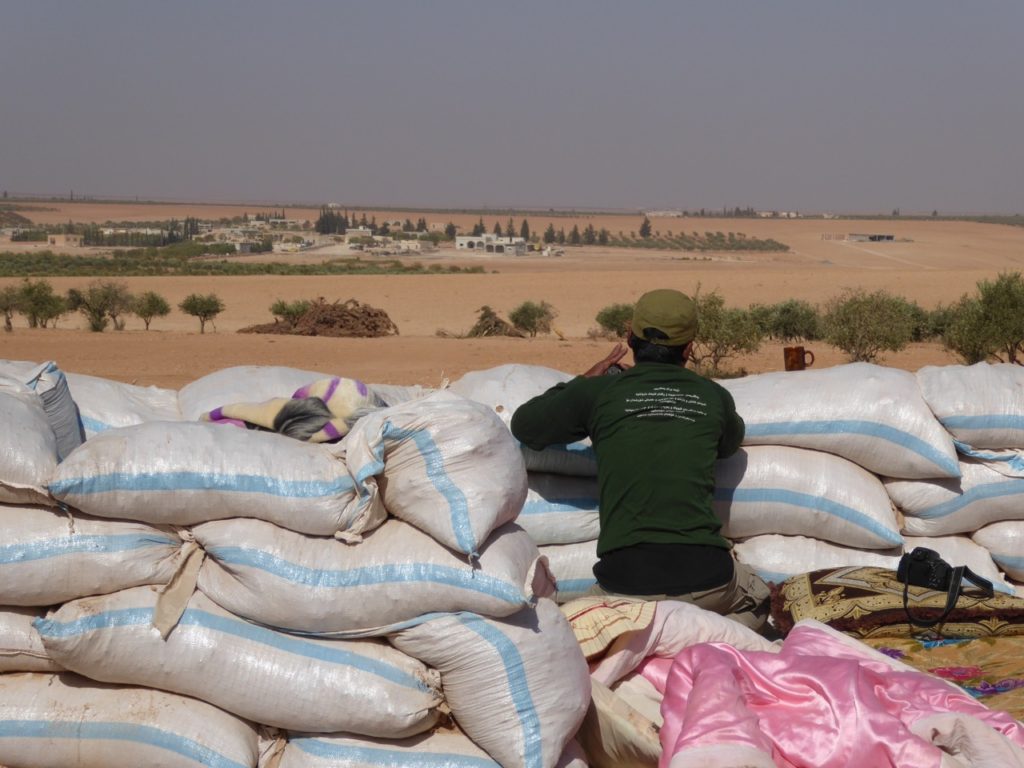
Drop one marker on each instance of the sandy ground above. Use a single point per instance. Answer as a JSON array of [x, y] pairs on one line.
[[932, 263]]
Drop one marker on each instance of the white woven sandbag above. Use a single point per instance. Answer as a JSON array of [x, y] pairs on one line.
[[981, 496], [320, 585], [872, 415], [66, 721], [394, 394], [775, 558], [241, 384], [982, 405], [504, 388], [962, 550], [28, 447], [21, 648], [518, 687], [448, 748], [183, 473], [572, 565], [106, 404], [797, 492], [286, 681], [48, 557], [1005, 543], [442, 463], [560, 509]]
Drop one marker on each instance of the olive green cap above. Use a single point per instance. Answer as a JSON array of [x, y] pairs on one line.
[[669, 311]]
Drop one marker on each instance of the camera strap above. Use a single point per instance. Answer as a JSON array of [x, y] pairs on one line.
[[957, 575]]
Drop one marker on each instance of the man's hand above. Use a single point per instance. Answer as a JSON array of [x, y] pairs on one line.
[[601, 367]]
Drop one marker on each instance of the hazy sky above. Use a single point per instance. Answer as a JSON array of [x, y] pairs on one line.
[[816, 105]]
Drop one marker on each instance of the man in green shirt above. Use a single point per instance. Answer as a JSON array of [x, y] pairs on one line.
[[657, 429]]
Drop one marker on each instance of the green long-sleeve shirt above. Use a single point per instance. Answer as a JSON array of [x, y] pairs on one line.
[[657, 430]]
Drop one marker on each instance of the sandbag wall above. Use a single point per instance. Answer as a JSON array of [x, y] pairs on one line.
[[850, 465], [184, 593]]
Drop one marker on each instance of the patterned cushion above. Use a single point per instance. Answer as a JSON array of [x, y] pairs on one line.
[[868, 602]]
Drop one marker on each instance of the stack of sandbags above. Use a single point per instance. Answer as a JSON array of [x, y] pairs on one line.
[[982, 406], [308, 558], [808, 471]]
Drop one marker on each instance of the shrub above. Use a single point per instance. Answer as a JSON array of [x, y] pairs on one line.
[[722, 333], [533, 318], [150, 305], [865, 324], [615, 319], [794, 320], [289, 311], [204, 307]]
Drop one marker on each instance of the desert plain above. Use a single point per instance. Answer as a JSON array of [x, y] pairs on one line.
[[932, 262]]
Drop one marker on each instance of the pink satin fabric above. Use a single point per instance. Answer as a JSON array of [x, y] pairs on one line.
[[824, 701]]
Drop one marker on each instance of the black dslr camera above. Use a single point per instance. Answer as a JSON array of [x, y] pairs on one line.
[[925, 568]]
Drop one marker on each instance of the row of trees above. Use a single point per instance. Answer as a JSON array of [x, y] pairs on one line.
[[988, 325], [102, 303]]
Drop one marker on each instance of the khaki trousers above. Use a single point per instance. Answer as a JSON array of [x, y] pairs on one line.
[[744, 598]]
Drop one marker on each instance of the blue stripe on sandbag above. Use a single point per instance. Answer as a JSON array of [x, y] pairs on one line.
[[811, 502], [433, 462], [125, 617], [112, 731], [1011, 458], [770, 577], [93, 425], [73, 545], [394, 573], [984, 421], [1009, 487], [574, 586], [568, 504], [386, 758], [172, 482], [872, 429], [518, 686]]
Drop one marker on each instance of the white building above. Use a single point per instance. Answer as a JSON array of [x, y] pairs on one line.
[[515, 246]]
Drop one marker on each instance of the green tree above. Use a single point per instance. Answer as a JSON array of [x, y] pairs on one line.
[[615, 319], [450, 230], [574, 235], [524, 230], [9, 305], [549, 234], [39, 304], [479, 228], [533, 318], [497, 228], [204, 307], [102, 301], [560, 237], [602, 237], [722, 333], [589, 235], [863, 325], [645, 228], [965, 331], [1002, 302], [791, 320], [510, 228], [149, 305], [289, 311]]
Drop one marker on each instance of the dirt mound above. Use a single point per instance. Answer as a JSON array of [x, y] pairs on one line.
[[348, 318]]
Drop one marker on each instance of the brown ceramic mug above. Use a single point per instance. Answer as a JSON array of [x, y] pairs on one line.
[[797, 358]]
